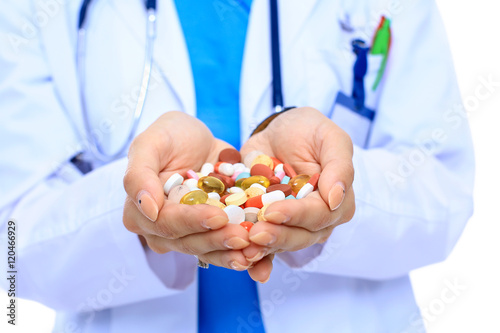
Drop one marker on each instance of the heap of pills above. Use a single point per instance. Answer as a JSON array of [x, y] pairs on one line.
[[242, 190]]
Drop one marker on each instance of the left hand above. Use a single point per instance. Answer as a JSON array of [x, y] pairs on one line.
[[311, 143]]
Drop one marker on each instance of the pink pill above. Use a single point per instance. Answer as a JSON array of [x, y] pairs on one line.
[[280, 174], [192, 174]]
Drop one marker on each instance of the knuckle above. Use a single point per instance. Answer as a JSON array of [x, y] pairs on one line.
[[164, 229], [157, 247], [186, 247]]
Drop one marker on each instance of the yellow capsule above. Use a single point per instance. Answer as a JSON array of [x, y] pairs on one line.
[[194, 198], [215, 202], [239, 181], [263, 159], [255, 179], [211, 184], [253, 192], [298, 181]]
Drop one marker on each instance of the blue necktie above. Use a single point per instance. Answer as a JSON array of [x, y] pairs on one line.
[[215, 36]]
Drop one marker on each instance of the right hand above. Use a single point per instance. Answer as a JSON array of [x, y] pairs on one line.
[[177, 142]]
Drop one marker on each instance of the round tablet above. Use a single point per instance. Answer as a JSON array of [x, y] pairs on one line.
[[235, 214], [230, 155], [236, 199]]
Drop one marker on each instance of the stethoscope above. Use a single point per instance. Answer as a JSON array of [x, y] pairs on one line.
[[96, 147]]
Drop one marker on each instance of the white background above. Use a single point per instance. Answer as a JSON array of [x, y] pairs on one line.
[[474, 33]]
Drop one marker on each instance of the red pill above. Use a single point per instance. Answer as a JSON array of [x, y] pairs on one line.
[[228, 181], [274, 180], [223, 198], [261, 170], [285, 188], [247, 225], [230, 155], [289, 170], [314, 181]]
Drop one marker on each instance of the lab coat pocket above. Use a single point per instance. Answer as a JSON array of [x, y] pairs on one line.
[[357, 122]]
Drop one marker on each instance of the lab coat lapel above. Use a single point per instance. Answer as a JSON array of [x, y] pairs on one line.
[[256, 76], [62, 59], [170, 52]]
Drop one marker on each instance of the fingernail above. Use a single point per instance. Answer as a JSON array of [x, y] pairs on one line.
[[276, 217], [237, 266], [147, 205], [336, 196], [265, 280], [215, 222], [257, 257], [236, 243], [263, 238]]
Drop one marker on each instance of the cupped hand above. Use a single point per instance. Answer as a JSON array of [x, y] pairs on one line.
[[311, 143], [176, 143]]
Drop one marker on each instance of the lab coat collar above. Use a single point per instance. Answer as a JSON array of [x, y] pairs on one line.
[[170, 52]]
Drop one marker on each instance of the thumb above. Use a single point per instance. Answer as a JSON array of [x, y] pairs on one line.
[[142, 182], [337, 172]]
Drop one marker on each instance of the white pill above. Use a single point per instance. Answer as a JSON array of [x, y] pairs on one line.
[[177, 192], [251, 156], [263, 188], [279, 168], [174, 180], [207, 168], [305, 191], [235, 189], [272, 197], [239, 167], [226, 169], [251, 214], [191, 182], [214, 195], [235, 214]]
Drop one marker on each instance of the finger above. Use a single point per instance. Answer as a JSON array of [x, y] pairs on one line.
[[261, 271], [177, 220], [141, 181], [231, 237], [311, 213], [232, 259], [255, 252], [281, 237], [335, 158]]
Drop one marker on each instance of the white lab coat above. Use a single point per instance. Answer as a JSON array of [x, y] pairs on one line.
[[413, 181]]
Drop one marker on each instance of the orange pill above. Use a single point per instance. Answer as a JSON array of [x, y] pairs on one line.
[[247, 225], [314, 180], [289, 171], [276, 162], [254, 202]]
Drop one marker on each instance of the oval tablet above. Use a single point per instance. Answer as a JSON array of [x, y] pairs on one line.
[[174, 180], [261, 170], [285, 188]]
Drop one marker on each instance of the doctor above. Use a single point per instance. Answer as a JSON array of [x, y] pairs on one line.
[[413, 165]]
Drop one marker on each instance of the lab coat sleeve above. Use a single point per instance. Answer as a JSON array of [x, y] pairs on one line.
[[72, 251], [414, 183]]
